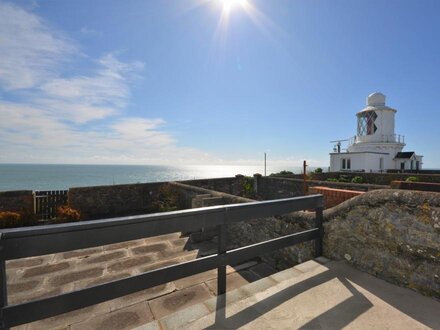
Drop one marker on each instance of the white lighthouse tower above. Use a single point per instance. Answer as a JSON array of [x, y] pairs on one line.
[[376, 147]]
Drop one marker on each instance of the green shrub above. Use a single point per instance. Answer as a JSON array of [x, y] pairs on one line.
[[344, 178], [332, 180], [248, 187], [282, 173], [318, 170], [357, 179], [412, 179]]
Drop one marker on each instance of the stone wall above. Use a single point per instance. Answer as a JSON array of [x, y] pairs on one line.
[[232, 185], [333, 197], [424, 186], [19, 200], [275, 187], [347, 185], [392, 234], [260, 230], [192, 196], [378, 178], [252, 231], [112, 201]]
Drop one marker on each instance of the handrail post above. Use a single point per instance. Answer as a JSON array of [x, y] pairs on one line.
[[221, 270], [3, 292], [318, 224]]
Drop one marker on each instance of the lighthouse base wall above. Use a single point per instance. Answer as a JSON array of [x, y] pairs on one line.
[[361, 161]]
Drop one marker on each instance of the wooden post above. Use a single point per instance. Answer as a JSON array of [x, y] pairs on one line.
[[305, 190], [264, 164]]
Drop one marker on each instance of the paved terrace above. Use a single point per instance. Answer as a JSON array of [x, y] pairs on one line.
[[313, 295], [50, 275]]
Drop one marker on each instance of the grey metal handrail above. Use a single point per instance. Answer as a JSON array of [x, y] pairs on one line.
[[33, 241]]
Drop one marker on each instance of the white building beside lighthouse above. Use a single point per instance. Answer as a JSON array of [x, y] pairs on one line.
[[376, 147]]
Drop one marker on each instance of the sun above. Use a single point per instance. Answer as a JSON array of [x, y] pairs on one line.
[[228, 5]]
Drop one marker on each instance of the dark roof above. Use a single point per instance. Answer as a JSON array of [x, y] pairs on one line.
[[404, 155]]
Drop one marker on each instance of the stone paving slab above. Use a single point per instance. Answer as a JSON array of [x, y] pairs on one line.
[[195, 279], [153, 325], [234, 281], [121, 319], [64, 320], [178, 300], [236, 268], [286, 274], [263, 270], [44, 276], [50, 275], [189, 315], [333, 296], [147, 294]]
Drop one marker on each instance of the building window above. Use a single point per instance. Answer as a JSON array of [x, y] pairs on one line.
[[366, 124], [381, 164], [345, 163]]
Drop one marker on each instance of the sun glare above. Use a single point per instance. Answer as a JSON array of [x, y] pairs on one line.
[[228, 5]]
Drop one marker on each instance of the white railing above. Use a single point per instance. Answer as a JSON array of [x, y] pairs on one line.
[[392, 138]]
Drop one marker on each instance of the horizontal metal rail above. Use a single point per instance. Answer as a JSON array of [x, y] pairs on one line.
[[26, 242], [39, 240]]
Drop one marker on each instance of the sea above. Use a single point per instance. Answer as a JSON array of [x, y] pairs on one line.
[[58, 177]]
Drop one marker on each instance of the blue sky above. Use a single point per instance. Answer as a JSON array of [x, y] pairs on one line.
[[189, 82]]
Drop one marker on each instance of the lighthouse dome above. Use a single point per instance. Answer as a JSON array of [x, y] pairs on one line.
[[376, 99]]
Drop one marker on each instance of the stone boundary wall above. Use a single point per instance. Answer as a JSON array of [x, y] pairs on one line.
[[432, 171], [116, 200], [229, 185], [277, 187], [252, 231], [376, 178], [333, 197], [391, 234], [194, 197], [274, 188], [188, 193], [424, 186], [347, 185], [18, 200]]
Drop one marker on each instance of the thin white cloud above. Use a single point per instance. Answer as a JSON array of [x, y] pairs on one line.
[[139, 130], [30, 50], [59, 118], [36, 135], [108, 85], [97, 96], [89, 32]]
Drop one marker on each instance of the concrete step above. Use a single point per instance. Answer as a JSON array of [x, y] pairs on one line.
[[316, 294]]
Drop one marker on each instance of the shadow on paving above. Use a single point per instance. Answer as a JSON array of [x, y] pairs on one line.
[[340, 315]]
